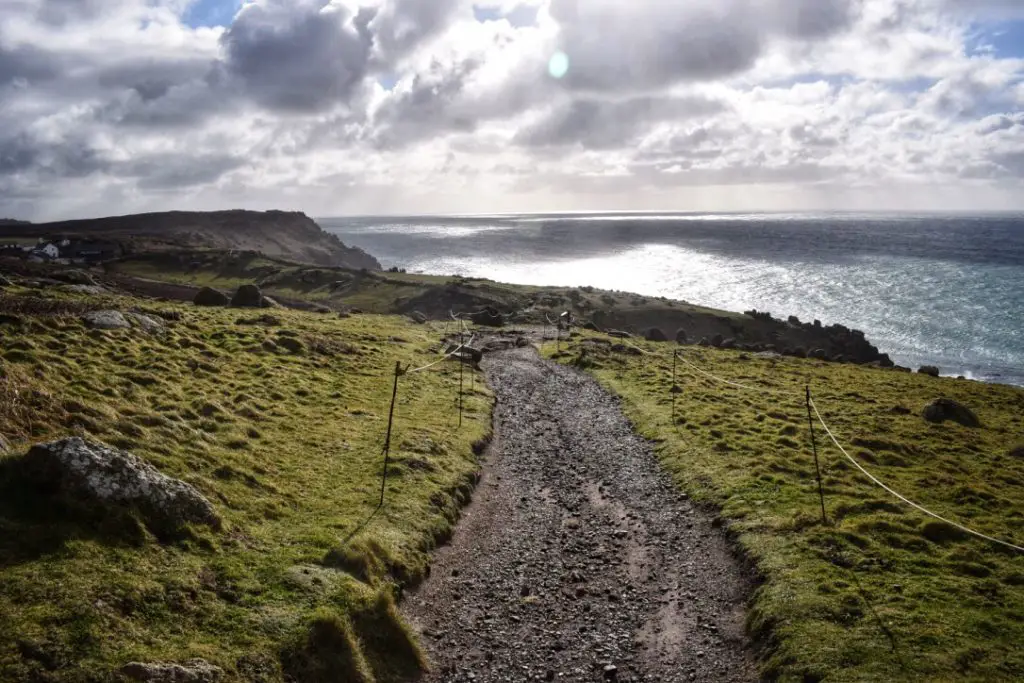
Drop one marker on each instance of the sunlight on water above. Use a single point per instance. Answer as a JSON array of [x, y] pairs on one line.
[[924, 291]]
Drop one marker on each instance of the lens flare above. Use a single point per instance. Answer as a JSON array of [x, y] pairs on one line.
[[558, 66]]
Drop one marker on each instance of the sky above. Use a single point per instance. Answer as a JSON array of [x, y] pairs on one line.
[[492, 106]]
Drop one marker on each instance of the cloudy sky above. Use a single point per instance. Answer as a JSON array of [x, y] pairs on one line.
[[448, 106]]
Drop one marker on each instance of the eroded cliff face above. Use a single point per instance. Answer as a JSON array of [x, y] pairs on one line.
[[293, 236]]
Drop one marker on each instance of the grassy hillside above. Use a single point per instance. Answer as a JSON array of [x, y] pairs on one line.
[[279, 422], [281, 234], [880, 592], [435, 296]]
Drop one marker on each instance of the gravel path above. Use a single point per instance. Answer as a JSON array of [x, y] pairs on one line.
[[578, 560]]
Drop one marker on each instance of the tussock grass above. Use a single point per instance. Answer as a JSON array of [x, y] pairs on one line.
[[284, 439], [880, 592]]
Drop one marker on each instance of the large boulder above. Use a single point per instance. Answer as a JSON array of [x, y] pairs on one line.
[[248, 296], [944, 409], [208, 296], [929, 370], [109, 476], [656, 335], [681, 336], [488, 317], [106, 320], [192, 671]]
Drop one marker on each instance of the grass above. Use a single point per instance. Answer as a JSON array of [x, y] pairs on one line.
[[301, 581], [379, 292], [880, 592]]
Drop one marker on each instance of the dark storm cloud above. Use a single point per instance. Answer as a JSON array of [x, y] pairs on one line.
[[297, 57], [173, 171], [21, 153], [598, 124], [27, 63]]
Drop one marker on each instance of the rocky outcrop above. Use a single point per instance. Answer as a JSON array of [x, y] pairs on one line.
[[109, 476], [192, 671], [944, 409], [208, 296]]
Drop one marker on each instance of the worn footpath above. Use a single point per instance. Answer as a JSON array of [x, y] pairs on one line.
[[578, 560]]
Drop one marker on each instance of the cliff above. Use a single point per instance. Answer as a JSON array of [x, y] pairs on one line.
[[292, 236]]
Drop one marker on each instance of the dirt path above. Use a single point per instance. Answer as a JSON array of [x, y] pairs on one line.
[[578, 560]]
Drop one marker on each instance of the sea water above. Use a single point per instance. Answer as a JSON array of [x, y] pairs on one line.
[[936, 289]]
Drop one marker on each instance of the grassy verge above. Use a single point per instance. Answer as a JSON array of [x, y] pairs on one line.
[[881, 592], [283, 437]]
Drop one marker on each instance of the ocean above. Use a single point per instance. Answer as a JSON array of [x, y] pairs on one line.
[[933, 289]]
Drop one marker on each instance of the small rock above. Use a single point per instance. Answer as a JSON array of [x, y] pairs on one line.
[[147, 323], [619, 334], [92, 290], [611, 672], [192, 671], [417, 317], [208, 296], [267, 302], [106, 320], [291, 344], [248, 296]]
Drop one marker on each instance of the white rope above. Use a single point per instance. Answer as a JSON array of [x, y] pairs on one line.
[[856, 464], [764, 390], [904, 498], [443, 358]]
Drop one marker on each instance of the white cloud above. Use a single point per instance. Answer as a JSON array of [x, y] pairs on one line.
[[413, 105]]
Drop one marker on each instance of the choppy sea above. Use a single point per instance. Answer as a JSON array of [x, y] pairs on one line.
[[939, 289]]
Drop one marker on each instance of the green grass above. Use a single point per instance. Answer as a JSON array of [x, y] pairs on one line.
[[287, 446], [386, 292], [880, 592]]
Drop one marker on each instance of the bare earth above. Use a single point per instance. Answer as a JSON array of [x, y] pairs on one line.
[[578, 560]]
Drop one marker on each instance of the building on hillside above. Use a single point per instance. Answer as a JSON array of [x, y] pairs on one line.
[[43, 252]]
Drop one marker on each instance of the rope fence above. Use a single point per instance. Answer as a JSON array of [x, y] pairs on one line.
[[828, 430], [400, 372]]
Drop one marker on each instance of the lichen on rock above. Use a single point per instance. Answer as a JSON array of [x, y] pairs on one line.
[[110, 476]]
